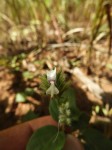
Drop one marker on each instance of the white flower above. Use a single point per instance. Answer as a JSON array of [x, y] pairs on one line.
[[51, 75], [52, 90]]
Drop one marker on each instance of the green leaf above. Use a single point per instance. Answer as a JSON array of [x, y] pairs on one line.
[[82, 123], [61, 82], [29, 91], [20, 97], [94, 140], [69, 95], [53, 109], [44, 85], [47, 138], [28, 75]]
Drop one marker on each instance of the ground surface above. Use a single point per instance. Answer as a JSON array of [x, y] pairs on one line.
[[67, 56]]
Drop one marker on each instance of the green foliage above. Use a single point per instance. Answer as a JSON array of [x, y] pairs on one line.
[[61, 82], [20, 97], [82, 123], [94, 140], [29, 91], [67, 96], [97, 19], [15, 61], [14, 64], [27, 75], [44, 85], [47, 138], [53, 108]]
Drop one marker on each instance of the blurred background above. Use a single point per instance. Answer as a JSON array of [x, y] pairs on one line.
[[37, 35]]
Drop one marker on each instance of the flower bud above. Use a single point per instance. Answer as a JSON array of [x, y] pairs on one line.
[[62, 118], [51, 75], [64, 114], [67, 105], [68, 121], [68, 112]]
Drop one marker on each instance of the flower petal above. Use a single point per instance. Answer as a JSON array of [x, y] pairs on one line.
[[51, 75], [52, 90]]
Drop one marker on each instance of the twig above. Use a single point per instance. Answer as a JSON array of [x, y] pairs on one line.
[[99, 119], [60, 45], [34, 101], [75, 30]]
